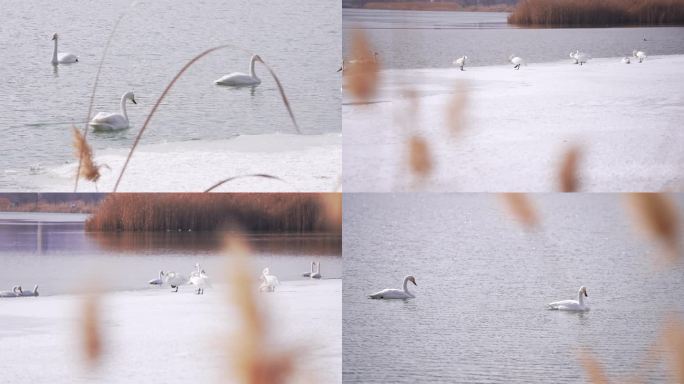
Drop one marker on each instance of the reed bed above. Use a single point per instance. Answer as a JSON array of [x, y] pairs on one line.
[[255, 212], [579, 13]]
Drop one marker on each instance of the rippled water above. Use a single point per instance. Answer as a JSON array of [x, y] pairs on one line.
[[54, 251], [479, 313], [299, 39], [414, 39]]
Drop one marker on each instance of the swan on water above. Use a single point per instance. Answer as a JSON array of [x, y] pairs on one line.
[[268, 281], [159, 280], [396, 293], [574, 58], [580, 57], [15, 292], [61, 58], [641, 55], [308, 274], [461, 61], [626, 60], [199, 279], [317, 274], [239, 79], [516, 61], [113, 121], [29, 293], [175, 280], [571, 305]]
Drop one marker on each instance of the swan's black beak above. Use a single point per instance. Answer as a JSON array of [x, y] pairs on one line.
[[134, 102], [585, 294]]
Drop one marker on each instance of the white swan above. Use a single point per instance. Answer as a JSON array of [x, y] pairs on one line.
[[641, 55], [516, 61], [461, 61], [308, 274], [29, 293], [581, 57], [268, 281], [574, 58], [317, 274], [571, 305], [113, 121], [62, 58], [626, 60], [238, 79], [15, 292], [175, 280], [159, 280], [396, 293], [200, 280]]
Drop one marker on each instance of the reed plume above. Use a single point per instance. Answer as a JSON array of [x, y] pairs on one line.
[[521, 208], [568, 174], [88, 170], [362, 72], [90, 329], [656, 215]]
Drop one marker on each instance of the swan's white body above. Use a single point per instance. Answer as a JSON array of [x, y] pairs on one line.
[[574, 58], [268, 282], [626, 60], [28, 293], [15, 292], [580, 57], [113, 121], [317, 274], [61, 58], [239, 79], [175, 280], [308, 274], [199, 279], [461, 61], [159, 280], [396, 293], [641, 55], [572, 305], [516, 61]]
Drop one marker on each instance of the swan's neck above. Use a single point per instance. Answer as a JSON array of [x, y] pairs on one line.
[[318, 268], [123, 107], [54, 54], [252, 63], [406, 287], [580, 298]]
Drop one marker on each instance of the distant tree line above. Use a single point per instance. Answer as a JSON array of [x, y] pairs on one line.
[[569, 13], [250, 212], [362, 3]]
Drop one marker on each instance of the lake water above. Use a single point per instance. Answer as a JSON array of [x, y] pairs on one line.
[[414, 39], [299, 39], [479, 313], [54, 251]]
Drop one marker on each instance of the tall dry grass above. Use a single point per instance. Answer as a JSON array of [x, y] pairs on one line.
[[253, 212], [577, 13]]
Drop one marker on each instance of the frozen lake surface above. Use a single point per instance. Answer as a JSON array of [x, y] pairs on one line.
[[518, 124]]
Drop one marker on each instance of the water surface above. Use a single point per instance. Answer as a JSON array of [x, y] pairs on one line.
[[479, 313], [415, 39]]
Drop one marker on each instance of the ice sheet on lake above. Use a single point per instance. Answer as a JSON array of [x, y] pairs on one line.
[[308, 163], [627, 119], [155, 335]]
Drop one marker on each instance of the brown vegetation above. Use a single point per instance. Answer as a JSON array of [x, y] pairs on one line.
[[571, 13], [253, 212], [441, 6]]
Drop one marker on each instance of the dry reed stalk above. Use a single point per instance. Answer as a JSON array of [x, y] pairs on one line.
[[521, 208], [455, 110], [173, 81], [568, 174], [253, 360], [420, 160], [95, 84], [361, 76], [673, 340], [90, 327], [89, 169], [656, 215], [261, 175], [593, 368]]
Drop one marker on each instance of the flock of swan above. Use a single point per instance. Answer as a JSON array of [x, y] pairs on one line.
[[199, 279], [119, 121], [577, 57], [404, 294], [17, 291]]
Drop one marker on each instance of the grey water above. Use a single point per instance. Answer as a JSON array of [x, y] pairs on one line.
[[419, 39], [55, 252], [299, 39], [483, 282]]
